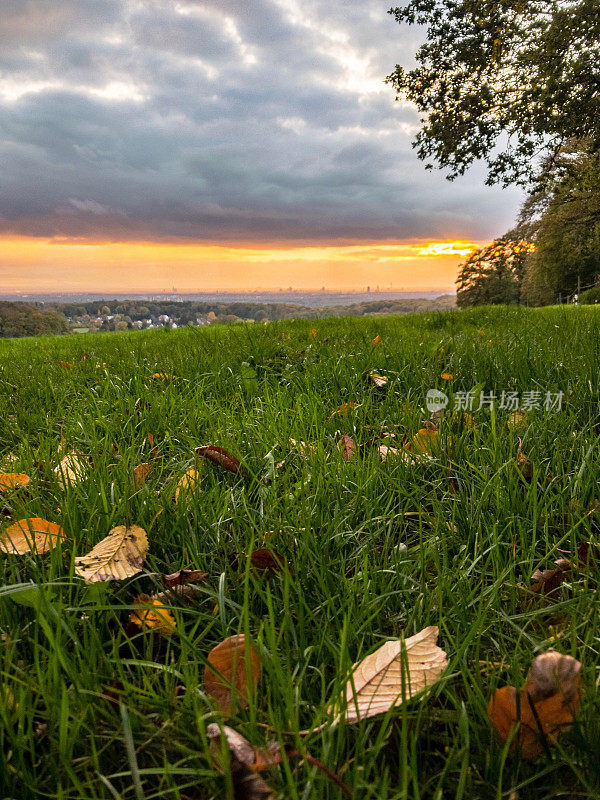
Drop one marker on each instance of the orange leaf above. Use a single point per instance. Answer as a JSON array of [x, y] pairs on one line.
[[32, 535], [424, 441], [232, 671], [547, 704], [376, 340], [446, 376], [66, 364], [13, 480], [313, 333], [140, 473]]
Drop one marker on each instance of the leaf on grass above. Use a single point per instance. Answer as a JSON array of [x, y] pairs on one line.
[[65, 364], [545, 706], [232, 671], [446, 376], [140, 474], [152, 616], [32, 535], [385, 452], [516, 419], [188, 484], [220, 456], [184, 576], [380, 381], [71, 469], [344, 409], [118, 556], [240, 748], [313, 333], [524, 465], [267, 562], [395, 672], [547, 581], [347, 447], [376, 340], [13, 480], [423, 442], [161, 376]]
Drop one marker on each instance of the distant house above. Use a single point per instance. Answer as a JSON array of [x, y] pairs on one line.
[[164, 318]]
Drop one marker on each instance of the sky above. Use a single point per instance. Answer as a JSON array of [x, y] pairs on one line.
[[221, 144]]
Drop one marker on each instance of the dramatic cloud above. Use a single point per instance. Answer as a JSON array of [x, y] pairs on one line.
[[218, 121]]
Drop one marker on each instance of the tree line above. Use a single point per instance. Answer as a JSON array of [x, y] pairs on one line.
[[516, 84]]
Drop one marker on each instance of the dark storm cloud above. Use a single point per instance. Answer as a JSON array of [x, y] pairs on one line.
[[218, 120]]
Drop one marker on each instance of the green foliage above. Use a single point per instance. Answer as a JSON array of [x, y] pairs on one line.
[[375, 549], [528, 69], [567, 229], [590, 297], [22, 319], [493, 274]]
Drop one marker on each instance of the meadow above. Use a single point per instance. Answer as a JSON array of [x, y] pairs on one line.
[[366, 550]]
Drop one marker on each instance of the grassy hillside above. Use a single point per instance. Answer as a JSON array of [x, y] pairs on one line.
[[92, 707]]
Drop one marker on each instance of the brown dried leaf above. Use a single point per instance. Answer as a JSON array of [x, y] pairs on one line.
[[385, 452], [218, 455], [12, 480], [392, 674], [140, 474], [347, 447], [376, 340], [152, 616], [32, 535], [240, 748], [344, 409], [184, 576], [547, 704], [118, 556], [227, 676], [267, 562]]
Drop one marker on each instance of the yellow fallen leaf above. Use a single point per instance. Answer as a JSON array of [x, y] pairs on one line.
[[424, 441], [152, 616], [446, 376], [189, 484], [118, 556], [376, 340], [32, 535], [140, 473]]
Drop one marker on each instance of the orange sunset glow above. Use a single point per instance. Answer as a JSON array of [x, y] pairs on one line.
[[28, 265]]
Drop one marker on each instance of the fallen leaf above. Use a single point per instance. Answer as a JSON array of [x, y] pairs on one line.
[[32, 535], [395, 672], [13, 480], [347, 447], [188, 484], [516, 419], [152, 616], [385, 452], [233, 669], [545, 706], [313, 333], [140, 474], [65, 364], [71, 469], [380, 381], [424, 441], [344, 409], [446, 376], [184, 576], [524, 465], [118, 556], [161, 376], [376, 340], [220, 456], [267, 562]]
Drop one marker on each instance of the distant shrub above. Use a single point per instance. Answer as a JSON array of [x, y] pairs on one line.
[[590, 296], [21, 319]]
